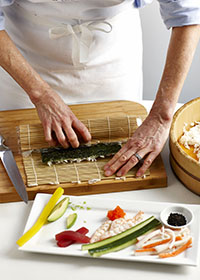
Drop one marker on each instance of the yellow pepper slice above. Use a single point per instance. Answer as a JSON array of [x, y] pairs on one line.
[[42, 218]]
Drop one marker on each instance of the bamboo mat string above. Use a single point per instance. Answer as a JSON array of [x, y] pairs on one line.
[[29, 136], [129, 126], [32, 161], [109, 130], [89, 126], [98, 170], [77, 173], [56, 174]]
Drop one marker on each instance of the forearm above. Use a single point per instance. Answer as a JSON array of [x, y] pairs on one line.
[[16, 65], [52, 111], [181, 50], [149, 138]]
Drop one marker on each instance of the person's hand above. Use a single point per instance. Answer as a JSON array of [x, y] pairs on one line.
[[147, 141], [57, 117]]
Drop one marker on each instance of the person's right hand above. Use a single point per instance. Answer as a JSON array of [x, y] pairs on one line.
[[57, 117]]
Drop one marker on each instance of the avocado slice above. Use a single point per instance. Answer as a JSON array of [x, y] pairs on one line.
[[58, 210], [71, 219]]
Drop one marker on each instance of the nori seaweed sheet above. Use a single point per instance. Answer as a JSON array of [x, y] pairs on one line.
[[84, 152]]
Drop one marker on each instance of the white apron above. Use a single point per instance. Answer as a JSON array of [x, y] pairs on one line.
[[86, 50]]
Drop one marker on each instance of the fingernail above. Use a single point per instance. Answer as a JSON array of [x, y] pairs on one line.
[[105, 167], [108, 173], [119, 174], [138, 174]]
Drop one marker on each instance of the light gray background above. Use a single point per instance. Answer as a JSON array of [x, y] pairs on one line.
[[155, 42]]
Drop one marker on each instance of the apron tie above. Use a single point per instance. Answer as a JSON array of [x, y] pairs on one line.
[[82, 38]]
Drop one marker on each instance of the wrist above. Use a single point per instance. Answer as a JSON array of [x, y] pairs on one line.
[[39, 93], [162, 114]]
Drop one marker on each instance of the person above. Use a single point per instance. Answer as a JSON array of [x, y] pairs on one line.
[[53, 53]]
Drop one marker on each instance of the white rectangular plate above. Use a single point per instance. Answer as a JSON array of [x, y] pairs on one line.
[[44, 240]]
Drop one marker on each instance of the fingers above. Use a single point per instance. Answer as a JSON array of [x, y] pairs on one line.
[[66, 134], [57, 117], [118, 160], [126, 161], [82, 130], [132, 161], [71, 135], [60, 136], [146, 164], [70, 131], [48, 135], [118, 156]]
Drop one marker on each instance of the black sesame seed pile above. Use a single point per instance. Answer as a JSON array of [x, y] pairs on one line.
[[176, 219]]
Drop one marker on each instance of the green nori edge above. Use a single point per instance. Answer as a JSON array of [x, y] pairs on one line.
[[83, 152]]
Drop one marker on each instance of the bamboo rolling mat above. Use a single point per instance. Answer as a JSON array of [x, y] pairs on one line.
[[11, 121], [107, 129]]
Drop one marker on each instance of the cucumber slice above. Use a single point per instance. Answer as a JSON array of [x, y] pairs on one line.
[[71, 219], [58, 210], [98, 253], [124, 242], [118, 236]]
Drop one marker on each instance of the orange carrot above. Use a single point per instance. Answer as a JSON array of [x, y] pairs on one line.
[[178, 238], [161, 242], [178, 251], [156, 243], [145, 250]]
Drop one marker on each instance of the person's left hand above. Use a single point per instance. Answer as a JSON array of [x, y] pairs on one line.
[[147, 141]]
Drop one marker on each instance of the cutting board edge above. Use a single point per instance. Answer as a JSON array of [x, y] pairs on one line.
[[97, 188]]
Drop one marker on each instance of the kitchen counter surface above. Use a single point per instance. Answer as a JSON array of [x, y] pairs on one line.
[[18, 265]]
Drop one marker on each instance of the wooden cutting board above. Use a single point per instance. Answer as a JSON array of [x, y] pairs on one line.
[[11, 120]]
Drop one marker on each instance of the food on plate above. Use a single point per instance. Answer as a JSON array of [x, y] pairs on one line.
[[177, 251], [42, 218], [149, 236], [84, 152], [164, 242], [58, 210], [118, 212], [71, 219], [121, 240], [110, 228], [176, 219], [190, 140], [78, 236], [62, 242]]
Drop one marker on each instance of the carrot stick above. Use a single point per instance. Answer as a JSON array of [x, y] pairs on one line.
[[178, 238], [156, 243], [161, 242], [178, 251], [145, 250]]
